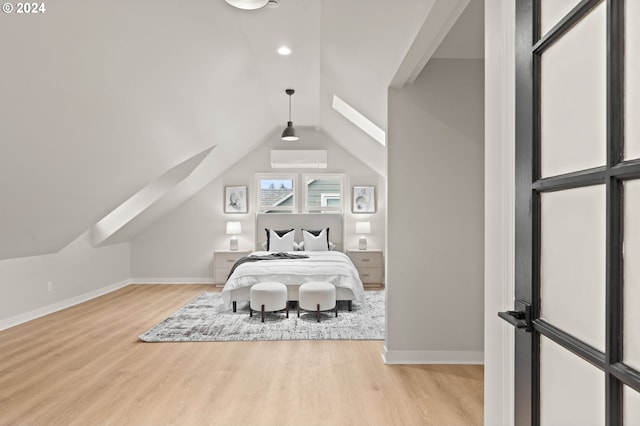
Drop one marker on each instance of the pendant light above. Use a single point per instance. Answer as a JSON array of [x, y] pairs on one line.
[[290, 134], [248, 4]]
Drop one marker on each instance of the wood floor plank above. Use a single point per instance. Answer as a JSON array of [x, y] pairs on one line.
[[85, 365]]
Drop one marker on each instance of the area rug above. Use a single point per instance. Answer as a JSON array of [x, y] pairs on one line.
[[207, 319]]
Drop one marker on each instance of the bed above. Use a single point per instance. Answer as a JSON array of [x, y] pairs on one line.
[[332, 266]]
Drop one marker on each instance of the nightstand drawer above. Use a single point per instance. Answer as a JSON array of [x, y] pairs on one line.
[[227, 259], [371, 275], [366, 259]]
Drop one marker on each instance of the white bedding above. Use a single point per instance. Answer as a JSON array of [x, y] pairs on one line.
[[332, 266]]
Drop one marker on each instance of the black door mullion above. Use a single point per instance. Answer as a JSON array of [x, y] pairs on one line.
[[614, 215], [614, 301], [595, 176], [615, 82], [570, 343], [626, 170], [626, 374], [526, 390]]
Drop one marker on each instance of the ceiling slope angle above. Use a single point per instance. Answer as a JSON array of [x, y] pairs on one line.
[[388, 46], [126, 96], [140, 93], [363, 45], [144, 199], [433, 31], [223, 158]]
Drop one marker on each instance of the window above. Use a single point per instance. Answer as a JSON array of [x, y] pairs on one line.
[[321, 193], [276, 193]]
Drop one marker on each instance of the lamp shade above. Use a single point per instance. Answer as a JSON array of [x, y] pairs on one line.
[[234, 228], [363, 227], [289, 133], [248, 4]]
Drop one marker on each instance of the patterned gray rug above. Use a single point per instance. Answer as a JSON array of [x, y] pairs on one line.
[[206, 319]]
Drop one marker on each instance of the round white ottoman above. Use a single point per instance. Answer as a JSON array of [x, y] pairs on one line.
[[268, 297], [317, 296]]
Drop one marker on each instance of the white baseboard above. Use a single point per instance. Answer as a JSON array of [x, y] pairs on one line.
[[205, 280], [58, 306], [432, 357]]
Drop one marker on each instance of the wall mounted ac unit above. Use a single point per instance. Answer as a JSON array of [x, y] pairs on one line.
[[299, 159]]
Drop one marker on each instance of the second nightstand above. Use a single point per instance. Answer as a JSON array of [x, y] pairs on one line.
[[223, 261], [370, 266]]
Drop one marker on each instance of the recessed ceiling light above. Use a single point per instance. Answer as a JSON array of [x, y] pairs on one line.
[[248, 4], [284, 50]]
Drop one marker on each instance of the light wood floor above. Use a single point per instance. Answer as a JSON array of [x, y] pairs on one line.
[[85, 366]]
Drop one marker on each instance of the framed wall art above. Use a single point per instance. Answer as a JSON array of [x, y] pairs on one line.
[[364, 199], [235, 199]]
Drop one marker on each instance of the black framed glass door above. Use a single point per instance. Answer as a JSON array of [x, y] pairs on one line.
[[577, 280]]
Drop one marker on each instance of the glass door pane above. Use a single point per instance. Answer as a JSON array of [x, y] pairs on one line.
[[571, 390], [632, 80], [552, 12], [631, 403], [573, 98], [632, 274], [572, 262]]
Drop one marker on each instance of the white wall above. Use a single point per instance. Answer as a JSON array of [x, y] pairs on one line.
[[435, 216], [179, 247], [78, 272]]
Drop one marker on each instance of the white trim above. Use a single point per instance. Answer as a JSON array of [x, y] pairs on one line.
[[499, 209], [58, 306], [362, 122], [440, 18], [432, 357], [328, 196], [192, 280]]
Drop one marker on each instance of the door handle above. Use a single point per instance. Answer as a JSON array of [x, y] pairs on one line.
[[519, 319]]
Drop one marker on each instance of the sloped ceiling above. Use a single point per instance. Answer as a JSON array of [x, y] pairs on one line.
[[101, 98]]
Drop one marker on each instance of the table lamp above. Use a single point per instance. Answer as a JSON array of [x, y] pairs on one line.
[[363, 228], [233, 229]]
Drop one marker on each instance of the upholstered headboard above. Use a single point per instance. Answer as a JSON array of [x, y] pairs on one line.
[[297, 221]]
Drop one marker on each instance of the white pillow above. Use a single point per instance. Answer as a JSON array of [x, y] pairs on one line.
[[280, 243], [318, 242]]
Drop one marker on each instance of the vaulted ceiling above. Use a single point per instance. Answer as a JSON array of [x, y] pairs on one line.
[[98, 99]]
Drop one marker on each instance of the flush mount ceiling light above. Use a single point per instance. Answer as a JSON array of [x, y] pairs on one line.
[[290, 134], [248, 4], [284, 50]]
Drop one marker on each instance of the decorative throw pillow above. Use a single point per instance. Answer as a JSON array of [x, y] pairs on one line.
[[316, 240], [280, 240]]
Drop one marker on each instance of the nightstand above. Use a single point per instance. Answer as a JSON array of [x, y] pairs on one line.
[[370, 266], [223, 261]]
